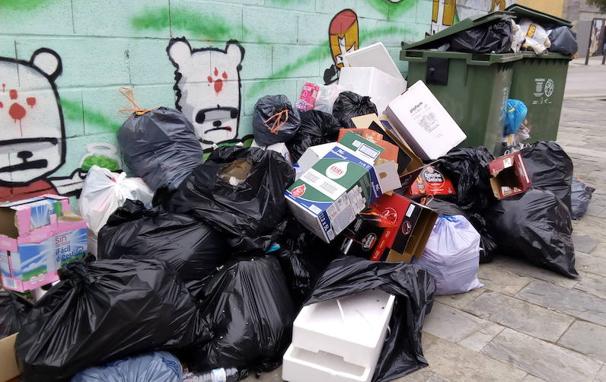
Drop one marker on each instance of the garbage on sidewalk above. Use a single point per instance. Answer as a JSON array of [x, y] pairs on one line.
[[580, 198], [317, 128], [508, 176], [274, 120], [13, 312], [349, 104], [154, 367], [38, 237]]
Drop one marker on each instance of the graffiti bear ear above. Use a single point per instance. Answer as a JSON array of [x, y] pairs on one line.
[[235, 51], [48, 61], [179, 51]]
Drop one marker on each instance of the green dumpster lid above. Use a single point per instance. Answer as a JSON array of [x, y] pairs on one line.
[[458, 27], [537, 16]]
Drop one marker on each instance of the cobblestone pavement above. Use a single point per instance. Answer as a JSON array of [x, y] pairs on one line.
[[529, 324]]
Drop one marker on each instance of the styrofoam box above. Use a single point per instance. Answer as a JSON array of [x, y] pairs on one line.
[[375, 56], [381, 87]]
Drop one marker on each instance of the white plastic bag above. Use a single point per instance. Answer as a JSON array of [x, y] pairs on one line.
[[537, 37], [452, 255], [104, 192], [327, 96]]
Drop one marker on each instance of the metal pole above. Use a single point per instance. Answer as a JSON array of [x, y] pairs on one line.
[[604, 44], [589, 45]]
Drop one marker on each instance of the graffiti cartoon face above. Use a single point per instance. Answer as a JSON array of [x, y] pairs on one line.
[[344, 35], [32, 142], [208, 88]]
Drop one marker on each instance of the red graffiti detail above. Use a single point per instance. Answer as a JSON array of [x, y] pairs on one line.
[[17, 112], [216, 72], [1, 105], [224, 75], [13, 94], [31, 101], [218, 85], [3, 88], [210, 80]]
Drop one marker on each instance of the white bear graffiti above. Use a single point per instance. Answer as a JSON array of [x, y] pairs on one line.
[[32, 143], [207, 84]]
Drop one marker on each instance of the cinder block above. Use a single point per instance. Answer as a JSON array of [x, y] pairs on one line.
[[41, 17], [270, 25], [257, 61], [295, 61], [87, 61], [148, 62], [364, 8], [73, 116], [79, 147], [424, 11], [300, 5], [126, 18], [313, 28], [152, 96], [101, 109], [7, 47], [210, 21], [403, 11]]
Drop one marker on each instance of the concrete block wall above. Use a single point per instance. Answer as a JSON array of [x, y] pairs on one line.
[[94, 47]]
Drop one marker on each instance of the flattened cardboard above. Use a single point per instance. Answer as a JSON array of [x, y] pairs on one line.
[[8, 359], [508, 176], [394, 229]]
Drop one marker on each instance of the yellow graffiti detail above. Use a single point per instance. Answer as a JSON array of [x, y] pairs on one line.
[[450, 10], [435, 11], [498, 5]]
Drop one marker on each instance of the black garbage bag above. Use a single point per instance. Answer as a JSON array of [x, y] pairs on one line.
[[467, 168], [537, 227], [580, 198], [160, 146], [249, 310], [549, 168], [413, 288], [316, 128], [190, 247], [13, 311], [240, 192], [102, 311], [563, 40], [274, 120], [491, 38], [348, 105]]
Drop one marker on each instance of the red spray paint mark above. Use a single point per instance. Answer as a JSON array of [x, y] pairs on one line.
[[216, 72], [210, 79], [13, 94], [31, 101], [1, 105], [218, 85], [224, 75], [3, 88], [17, 112]]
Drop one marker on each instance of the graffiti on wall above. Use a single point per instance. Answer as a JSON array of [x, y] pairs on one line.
[[343, 37], [208, 88], [445, 13]]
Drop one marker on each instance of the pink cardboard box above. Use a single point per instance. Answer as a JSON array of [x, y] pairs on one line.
[[37, 237]]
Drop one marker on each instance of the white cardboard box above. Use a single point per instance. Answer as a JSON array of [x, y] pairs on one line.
[[339, 340], [381, 87], [424, 123], [312, 155], [376, 56]]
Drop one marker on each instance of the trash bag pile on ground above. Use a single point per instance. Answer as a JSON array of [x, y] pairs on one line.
[[319, 248]]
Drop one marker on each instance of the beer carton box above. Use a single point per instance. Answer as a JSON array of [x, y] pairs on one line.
[[508, 176], [37, 237], [327, 197]]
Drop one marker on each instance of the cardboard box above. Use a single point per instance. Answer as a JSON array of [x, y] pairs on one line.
[[508, 176], [327, 197], [394, 229], [430, 182], [390, 151], [424, 123], [311, 156], [372, 82], [37, 237], [8, 360]]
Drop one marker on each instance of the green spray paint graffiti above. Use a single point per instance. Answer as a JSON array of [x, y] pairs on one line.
[[393, 8], [74, 111], [23, 5]]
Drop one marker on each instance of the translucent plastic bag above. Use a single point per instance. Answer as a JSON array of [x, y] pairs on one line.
[[327, 95], [452, 255], [105, 191], [537, 38], [154, 367]]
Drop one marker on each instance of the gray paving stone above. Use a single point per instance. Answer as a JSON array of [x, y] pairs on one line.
[[423, 375], [476, 341], [586, 338], [459, 364], [525, 269], [590, 263], [451, 324], [601, 377], [594, 284], [497, 278], [532, 378], [584, 243], [520, 315], [460, 300], [541, 359], [570, 301], [272, 376]]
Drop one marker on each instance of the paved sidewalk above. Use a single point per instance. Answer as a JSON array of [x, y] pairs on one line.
[[530, 324]]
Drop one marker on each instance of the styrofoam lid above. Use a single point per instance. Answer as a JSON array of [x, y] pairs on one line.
[[376, 56]]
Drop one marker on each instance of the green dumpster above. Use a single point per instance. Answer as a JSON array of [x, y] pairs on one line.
[[540, 81], [473, 88]]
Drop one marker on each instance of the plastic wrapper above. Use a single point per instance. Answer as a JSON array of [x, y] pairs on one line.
[[563, 40], [581, 196], [413, 288], [316, 128], [102, 311], [327, 96], [250, 312], [549, 168], [240, 192], [348, 105], [160, 146], [452, 255], [518, 37], [13, 312], [274, 120], [537, 227], [515, 114], [467, 168], [104, 192], [190, 247], [308, 96], [152, 367], [492, 38], [537, 38]]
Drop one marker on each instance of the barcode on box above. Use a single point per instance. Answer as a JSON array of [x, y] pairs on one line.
[[428, 122], [367, 150]]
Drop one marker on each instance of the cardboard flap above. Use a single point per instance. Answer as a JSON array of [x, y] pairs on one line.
[[8, 360]]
